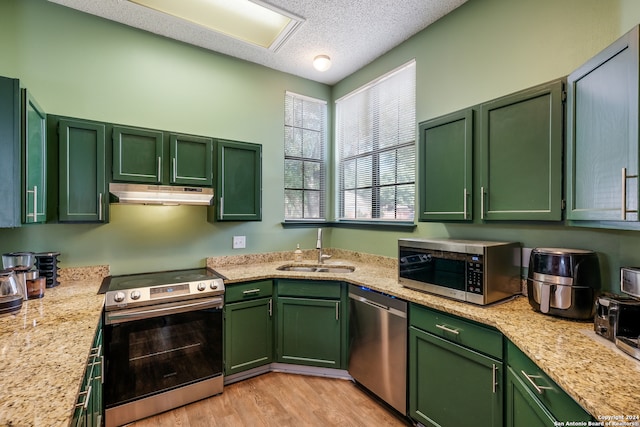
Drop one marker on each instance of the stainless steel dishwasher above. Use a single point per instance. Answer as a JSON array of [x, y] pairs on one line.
[[378, 345]]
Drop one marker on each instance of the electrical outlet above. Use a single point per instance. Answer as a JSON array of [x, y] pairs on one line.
[[239, 242]]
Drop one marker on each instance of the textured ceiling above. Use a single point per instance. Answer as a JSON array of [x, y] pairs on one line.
[[352, 32]]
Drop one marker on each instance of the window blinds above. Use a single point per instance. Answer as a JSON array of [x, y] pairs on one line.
[[305, 157], [375, 136]]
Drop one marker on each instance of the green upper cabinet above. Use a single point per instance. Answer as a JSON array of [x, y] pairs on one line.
[[191, 160], [446, 167], [157, 157], [137, 155], [83, 187], [602, 134], [238, 181], [9, 152], [34, 160], [521, 155]]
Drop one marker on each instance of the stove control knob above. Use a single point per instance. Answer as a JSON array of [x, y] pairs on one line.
[[213, 285], [201, 286], [135, 295], [119, 296]]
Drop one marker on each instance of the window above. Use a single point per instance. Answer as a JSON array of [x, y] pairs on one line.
[[304, 157], [375, 138]]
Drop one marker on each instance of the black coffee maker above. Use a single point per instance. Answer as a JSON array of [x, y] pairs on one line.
[[564, 282]]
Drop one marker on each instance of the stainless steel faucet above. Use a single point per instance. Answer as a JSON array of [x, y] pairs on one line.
[[321, 256]]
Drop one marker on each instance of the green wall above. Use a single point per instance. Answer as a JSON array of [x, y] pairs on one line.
[[486, 49], [83, 66]]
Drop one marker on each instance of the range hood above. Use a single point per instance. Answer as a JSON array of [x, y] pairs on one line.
[[144, 194]]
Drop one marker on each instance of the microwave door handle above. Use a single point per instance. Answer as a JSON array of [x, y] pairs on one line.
[[135, 314]]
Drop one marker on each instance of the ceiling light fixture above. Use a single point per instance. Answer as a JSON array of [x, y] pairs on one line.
[[322, 62], [252, 21]]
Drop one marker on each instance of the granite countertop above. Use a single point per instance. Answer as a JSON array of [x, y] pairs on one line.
[[602, 379], [44, 349]]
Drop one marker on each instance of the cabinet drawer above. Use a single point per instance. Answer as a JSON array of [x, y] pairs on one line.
[[457, 330], [309, 288], [248, 291], [556, 400]]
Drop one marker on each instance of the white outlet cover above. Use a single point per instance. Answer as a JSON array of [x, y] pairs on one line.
[[239, 242]]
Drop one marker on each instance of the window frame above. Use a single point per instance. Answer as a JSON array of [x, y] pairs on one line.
[[375, 152], [323, 162]]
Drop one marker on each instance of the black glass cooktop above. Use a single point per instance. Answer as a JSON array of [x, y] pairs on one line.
[[141, 280]]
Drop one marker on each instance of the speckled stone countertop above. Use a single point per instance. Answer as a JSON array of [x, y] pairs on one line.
[[602, 379], [44, 349]]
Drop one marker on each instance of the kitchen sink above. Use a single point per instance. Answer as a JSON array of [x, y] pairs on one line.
[[317, 268]]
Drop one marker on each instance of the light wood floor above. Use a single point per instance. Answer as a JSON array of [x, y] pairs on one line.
[[280, 399]]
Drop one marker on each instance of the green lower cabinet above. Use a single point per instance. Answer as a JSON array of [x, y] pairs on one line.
[[532, 398], [88, 410], [248, 334], [452, 386], [311, 322], [310, 332], [523, 409]]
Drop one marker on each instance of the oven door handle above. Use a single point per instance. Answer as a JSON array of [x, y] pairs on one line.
[[129, 315]]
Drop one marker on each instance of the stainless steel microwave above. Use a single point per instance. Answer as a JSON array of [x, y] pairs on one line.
[[479, 272]]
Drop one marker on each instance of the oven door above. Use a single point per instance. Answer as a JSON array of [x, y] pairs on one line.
[[152, 351]]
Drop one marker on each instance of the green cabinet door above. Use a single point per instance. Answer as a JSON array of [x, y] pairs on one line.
[[34, 160], [446, 167], [522, 407], [88, 411], [248, 335], [191, 160], [9, 152], [602, 134], [521, 155], [238, 178], [309, 332], [83, 188], [532, 390], [452, 386], [138, 155]]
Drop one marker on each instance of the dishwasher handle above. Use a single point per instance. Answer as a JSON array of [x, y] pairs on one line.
[[377, 305]]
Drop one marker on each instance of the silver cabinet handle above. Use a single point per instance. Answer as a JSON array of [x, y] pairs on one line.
[[464, 203], [221, 207], [251, 291], [337, 310], [35, 203], [447, 329], [481, 202], [539, 389], [623, 209], [494, 382], [85, 403], [270, 307], [159, 169], [174, 172], [99, 206]]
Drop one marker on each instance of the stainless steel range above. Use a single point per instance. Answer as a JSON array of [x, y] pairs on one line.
[[162, 341]]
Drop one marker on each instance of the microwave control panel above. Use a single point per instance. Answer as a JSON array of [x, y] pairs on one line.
[[475, 275]]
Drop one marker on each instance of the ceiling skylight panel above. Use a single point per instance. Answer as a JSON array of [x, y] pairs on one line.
[[250, 21]]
